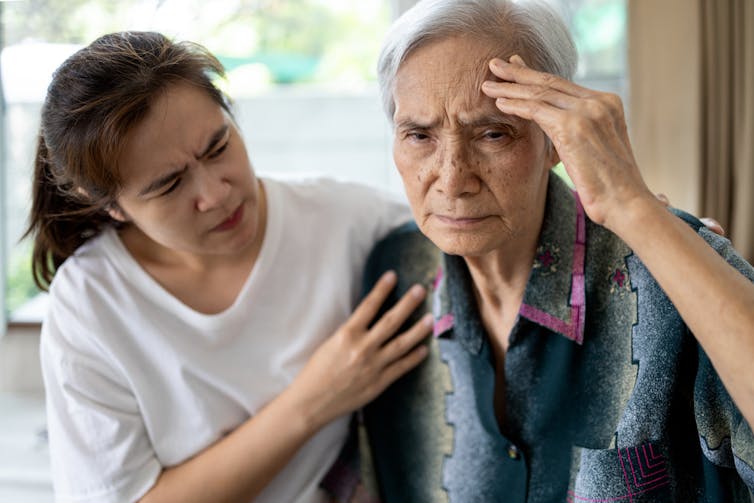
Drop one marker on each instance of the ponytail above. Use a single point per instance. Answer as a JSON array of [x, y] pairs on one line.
[[60, 220]]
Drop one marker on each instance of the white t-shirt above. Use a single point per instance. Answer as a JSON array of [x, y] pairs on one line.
[[137, 381]]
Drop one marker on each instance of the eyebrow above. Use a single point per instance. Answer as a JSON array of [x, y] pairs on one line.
[[498, 119], [413, 124], [168, 178]]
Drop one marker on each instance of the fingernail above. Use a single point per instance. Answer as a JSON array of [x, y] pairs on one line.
[[428, 320], [417, 291], [389, 277], [498, 63], [517, 60]]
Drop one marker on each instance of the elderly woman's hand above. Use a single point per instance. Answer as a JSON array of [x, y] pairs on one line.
[[588, 131]]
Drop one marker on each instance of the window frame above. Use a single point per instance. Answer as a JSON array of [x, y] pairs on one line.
[[3, 200]]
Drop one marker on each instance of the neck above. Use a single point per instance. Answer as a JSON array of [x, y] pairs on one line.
[[500, 278]]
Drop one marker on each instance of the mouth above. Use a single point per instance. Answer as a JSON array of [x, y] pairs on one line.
[[460, 222], [233, 220]]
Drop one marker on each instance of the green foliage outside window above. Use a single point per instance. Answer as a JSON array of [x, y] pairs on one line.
[[264, 43]]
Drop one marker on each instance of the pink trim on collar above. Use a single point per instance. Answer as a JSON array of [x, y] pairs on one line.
[[575, 329], [443, 325]]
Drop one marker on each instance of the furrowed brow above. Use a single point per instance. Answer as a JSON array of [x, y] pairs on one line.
[[219, 135], [490, 120], [414, 124], [161, 182]]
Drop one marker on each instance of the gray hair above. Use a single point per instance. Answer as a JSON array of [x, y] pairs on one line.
[[531, 28]]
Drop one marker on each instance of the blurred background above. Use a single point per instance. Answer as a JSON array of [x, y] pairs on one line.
[[301, 73]]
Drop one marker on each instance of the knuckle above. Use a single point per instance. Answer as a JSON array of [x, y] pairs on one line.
[[579, 126], [389, 318], [354, 357], [562, 136], [597, 109], [541, 93], [549, 80], [613, 101], [398, 345]]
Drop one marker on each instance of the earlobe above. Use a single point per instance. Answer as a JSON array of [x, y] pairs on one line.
[[116, 213]]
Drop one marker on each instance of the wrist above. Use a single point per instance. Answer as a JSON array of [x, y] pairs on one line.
[[635, 215], [301, 411]]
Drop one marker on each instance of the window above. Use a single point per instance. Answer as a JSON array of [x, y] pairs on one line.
[[301, 73]]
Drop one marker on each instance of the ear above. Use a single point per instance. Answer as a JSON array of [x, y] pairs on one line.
[[117, 213]]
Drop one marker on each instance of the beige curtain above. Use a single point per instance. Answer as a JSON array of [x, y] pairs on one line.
[[691, 113]]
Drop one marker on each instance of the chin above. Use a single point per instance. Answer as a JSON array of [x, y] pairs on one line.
[[465, 245]]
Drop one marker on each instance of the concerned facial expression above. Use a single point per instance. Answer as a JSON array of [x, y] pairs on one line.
[[187, 180], [476, 178]]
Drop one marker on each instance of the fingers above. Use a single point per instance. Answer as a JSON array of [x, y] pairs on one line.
[[401, 366], [542, 97], [370, 305], [404, 342], [710, 223], [516, 71], [529, 94], [509, 90], [713, 225], [392, 320]]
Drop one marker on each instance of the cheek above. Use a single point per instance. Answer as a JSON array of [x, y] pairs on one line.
[[405, 166]]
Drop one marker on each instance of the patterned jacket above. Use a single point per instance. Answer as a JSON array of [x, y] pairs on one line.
[[609, 398]]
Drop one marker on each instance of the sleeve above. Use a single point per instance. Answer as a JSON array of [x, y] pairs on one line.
[[379, 211], [726, 437], [99, 447]]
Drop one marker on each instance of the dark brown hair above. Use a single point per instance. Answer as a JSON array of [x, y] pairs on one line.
[[96, 97]]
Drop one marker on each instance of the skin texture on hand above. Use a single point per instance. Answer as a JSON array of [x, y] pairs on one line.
[[357, 363], [587, 129]]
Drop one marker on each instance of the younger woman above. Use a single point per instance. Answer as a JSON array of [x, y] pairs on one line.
[[199, 344]]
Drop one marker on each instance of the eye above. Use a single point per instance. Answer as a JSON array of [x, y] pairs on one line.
[[219, 151], [495, 134], [417, 136], [172, 187]]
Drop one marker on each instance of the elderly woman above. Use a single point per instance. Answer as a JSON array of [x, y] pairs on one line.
[[587, 347]]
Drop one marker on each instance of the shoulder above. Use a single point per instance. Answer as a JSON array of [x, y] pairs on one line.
[[338, 211], [406, 251], [87, 265], [720, 244], [329, 192], [89, 294]]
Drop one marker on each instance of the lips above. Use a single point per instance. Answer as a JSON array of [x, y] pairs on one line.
[[231, 221], [459, 219], [460, 222]]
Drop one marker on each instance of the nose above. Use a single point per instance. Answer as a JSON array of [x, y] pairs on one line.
[[454, 173], [212, 189]]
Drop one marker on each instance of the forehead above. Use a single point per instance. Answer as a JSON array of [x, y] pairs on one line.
[[176, 127], [446, 73]]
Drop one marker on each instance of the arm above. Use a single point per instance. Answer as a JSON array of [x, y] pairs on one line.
[[589, 132], [349, 369]]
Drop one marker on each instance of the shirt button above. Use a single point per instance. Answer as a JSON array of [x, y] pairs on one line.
[[513, 452]]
